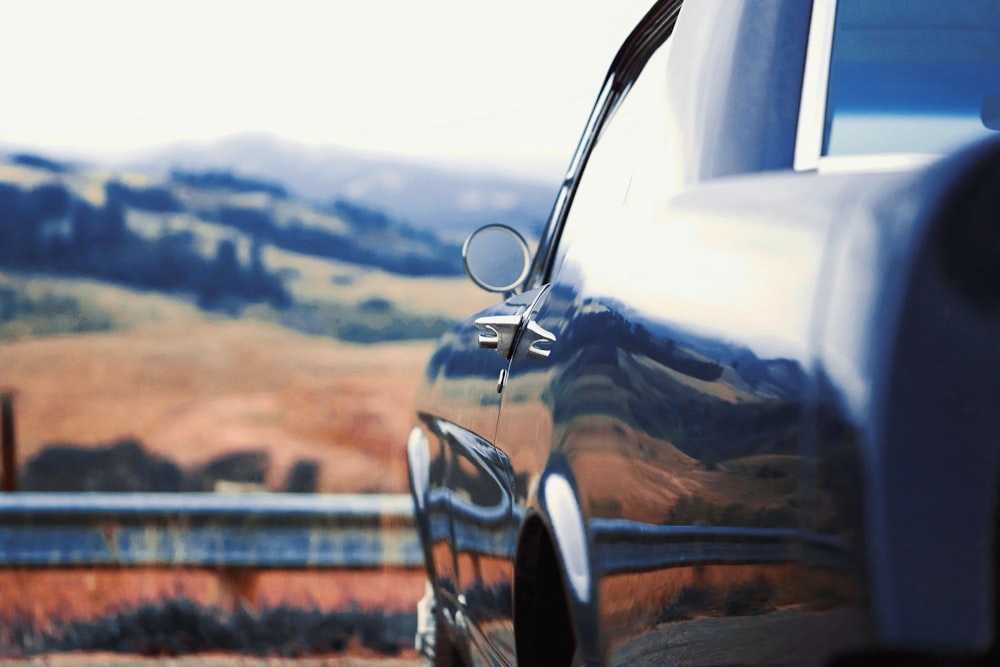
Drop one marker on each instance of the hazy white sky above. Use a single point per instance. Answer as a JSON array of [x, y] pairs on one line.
[[509, 82]]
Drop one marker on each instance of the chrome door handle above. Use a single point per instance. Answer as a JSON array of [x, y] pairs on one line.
[[500, 334], [538, 336]]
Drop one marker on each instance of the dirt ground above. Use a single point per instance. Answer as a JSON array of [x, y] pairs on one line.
[[62, 594], [193, 391], [117, 660]]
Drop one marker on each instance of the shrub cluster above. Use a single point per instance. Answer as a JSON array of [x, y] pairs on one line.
[[181, 627], [126, 467]]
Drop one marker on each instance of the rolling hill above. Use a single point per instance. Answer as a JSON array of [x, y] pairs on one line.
[[188, 321], [448, 200], [224, 241]]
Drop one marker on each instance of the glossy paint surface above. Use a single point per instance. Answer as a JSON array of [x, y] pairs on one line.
[[682, 409], [713, 461]]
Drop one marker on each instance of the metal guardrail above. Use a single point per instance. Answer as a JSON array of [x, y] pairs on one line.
[[288, 531], [208, 530]]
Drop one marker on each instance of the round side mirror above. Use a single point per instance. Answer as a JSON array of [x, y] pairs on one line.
[[496, 258]]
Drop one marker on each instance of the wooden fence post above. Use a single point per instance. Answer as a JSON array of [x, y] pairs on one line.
[[8, 441]]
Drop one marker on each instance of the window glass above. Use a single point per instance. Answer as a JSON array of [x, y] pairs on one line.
[[632, 167], [911, 76]]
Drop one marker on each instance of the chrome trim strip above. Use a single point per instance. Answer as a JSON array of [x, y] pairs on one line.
[[812, 108]]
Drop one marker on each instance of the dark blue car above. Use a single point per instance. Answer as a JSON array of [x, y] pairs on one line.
[[741, 403]]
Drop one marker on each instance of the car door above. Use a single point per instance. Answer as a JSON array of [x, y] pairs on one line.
[[571, 410], [484, 552]]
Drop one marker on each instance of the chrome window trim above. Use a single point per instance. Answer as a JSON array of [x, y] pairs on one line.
[[652, 32], [600, 112], [550, 235], [812, 108]]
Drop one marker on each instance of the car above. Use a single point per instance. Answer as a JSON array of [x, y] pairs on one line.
[[740, 402]]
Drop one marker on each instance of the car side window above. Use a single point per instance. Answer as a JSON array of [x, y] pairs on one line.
[[632, 168], [911, 76]]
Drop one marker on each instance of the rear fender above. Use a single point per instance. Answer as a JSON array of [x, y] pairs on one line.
[[556, 518], [937, 421], [911, 332]]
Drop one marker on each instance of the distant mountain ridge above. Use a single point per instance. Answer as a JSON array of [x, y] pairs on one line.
[[219, 239], [447, 200]]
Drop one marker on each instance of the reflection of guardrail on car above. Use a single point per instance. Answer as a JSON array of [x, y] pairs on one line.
[[478, 529], [258, 531], [631, 546]]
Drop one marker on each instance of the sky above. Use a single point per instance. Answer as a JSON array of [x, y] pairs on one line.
[[507, 84]]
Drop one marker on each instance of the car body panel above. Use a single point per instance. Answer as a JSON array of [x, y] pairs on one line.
[[764, 420], [642, 410]]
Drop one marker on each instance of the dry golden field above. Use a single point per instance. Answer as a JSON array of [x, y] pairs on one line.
[[191, 386], [193, 391]]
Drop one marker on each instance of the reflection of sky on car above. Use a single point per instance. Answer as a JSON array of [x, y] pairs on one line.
[[911, 76], [699, 270], [854, 133], [692, 266]]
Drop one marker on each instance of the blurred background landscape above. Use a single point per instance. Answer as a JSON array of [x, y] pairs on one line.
[[230, 233], [191, 327]]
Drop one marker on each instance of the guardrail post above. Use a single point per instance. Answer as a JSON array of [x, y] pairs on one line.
[[240, 586], [7, 441]]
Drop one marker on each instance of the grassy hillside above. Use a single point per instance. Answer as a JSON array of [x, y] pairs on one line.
[[185, 325], [229, 245], [194, 391]]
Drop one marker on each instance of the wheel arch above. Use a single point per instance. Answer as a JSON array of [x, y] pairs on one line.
[[555, 592]]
